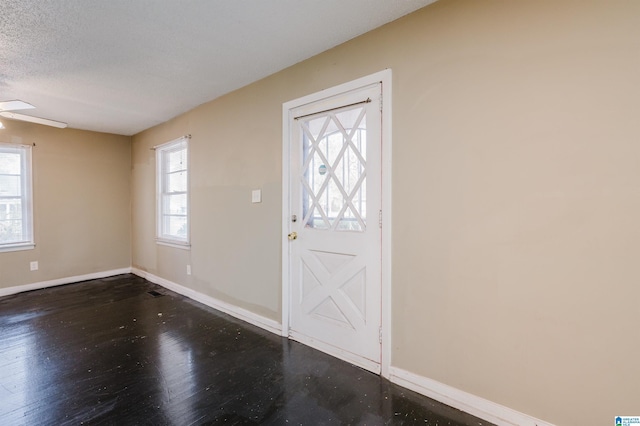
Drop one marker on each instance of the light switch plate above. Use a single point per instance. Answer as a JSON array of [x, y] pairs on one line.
[[256, 196]]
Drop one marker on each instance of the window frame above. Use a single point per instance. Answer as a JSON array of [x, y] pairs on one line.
[[162, 172], [27, 241]]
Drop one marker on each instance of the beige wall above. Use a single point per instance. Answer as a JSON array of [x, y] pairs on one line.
[[81, 187], [516, 198]]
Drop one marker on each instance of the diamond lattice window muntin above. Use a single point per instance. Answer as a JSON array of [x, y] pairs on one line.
[[333, 173]]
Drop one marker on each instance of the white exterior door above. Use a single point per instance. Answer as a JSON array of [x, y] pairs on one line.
[[335, 234]]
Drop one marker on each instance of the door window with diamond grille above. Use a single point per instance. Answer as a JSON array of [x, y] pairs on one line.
[[334, 170]]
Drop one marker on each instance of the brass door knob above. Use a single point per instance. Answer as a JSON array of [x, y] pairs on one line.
[[292, 236]]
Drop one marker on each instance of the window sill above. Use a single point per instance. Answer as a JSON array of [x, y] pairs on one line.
[[17, 247], [174, 244]]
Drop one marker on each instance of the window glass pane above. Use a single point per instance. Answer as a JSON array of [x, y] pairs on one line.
[[315, 125], [349, 222], [317, 221], [175, 204], [11, 209], [177, 160], [11, 231], [334, 143], [10, 185], [10, 163], [349, 118], [177, 182], [175, 226]]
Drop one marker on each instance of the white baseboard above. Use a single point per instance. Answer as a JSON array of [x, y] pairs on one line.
[[456, 398], [463, 401], [61, 281], [474, 405], [227, 308]]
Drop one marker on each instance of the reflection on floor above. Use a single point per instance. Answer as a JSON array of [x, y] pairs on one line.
[[109, 352]]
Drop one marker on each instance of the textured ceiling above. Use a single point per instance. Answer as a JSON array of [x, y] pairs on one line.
[[122, 66]]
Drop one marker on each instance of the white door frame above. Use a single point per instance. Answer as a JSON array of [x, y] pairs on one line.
[[385, 78]]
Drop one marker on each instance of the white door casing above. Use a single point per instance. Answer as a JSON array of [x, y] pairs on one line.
[[335, 295]]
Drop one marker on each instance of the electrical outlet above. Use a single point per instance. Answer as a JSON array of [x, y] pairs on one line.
[[33, 266], [188, 269]]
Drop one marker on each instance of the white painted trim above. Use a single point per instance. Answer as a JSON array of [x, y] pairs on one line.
[[234, 311], [168, 243], [456, 398], [287, 117], [385, 77], [61, 281], [17, 247]]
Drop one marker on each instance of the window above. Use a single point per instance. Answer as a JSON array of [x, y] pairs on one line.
[[16, 213], [172, 176]]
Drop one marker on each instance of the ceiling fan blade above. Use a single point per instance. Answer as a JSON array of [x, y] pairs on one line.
[[14, 105], [31, 119]]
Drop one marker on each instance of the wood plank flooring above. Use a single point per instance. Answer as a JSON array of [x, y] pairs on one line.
[[107, 352]]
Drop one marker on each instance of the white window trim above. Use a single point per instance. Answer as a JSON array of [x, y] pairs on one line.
[[160, 238], [17, 247], [27, 187]]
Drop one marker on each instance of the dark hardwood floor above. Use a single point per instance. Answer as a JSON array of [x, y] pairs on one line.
[[108, 352]]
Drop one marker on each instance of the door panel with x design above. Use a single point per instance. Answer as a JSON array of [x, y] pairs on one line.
[[334, 289]]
